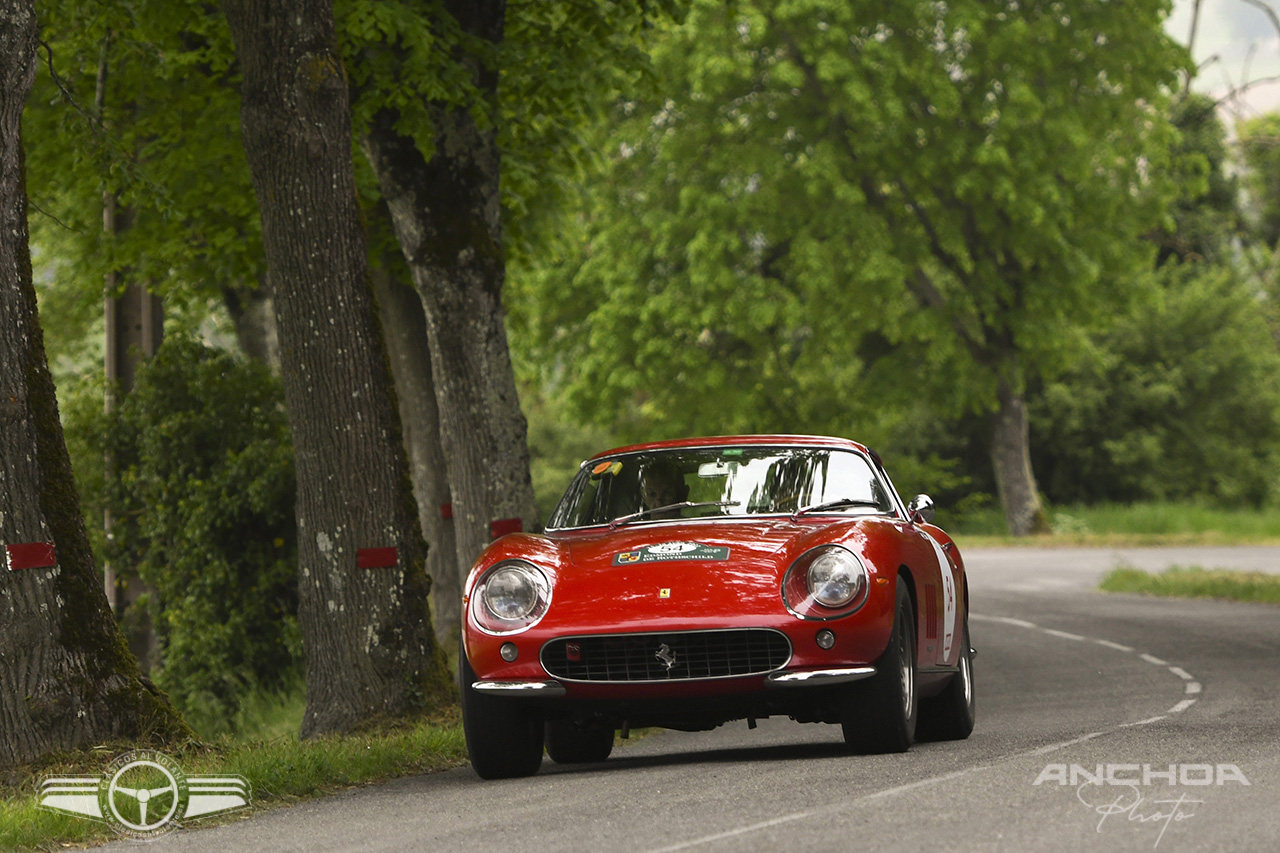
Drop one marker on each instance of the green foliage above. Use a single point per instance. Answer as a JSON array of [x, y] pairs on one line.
[[1260, 145], [558, 442], [1206, 213], [202, 507], [1149, 523], [164, 140], [758, 252], [559, 66], [1177, 399]]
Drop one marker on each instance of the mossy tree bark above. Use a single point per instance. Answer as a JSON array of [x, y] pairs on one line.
[[362, 607], [67, 678], [447, 218], [405, 327]]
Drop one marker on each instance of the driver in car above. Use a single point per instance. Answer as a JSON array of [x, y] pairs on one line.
[[662, 484]]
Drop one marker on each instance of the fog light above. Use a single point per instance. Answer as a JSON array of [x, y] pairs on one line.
[[509, 652], [826, 638]]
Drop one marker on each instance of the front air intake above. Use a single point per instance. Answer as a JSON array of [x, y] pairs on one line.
[[671, 656]]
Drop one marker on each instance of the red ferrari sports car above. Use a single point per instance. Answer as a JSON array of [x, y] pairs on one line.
[[684, 584]]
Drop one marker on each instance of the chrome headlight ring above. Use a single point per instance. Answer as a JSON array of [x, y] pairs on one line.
[[510, 597], [825, 582]]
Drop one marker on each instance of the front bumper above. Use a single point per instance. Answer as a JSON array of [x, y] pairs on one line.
[[782, 678]]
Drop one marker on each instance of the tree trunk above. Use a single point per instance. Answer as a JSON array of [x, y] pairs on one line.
[[255, 323], [447, 219], [1011, 460], [134, 326], [67, 679], [362, 576], [405, 327], [133, 321]]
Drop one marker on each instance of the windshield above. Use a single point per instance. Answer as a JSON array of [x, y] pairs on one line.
[[715, 482]]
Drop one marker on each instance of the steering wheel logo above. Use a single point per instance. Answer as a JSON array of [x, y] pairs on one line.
[[141, 793], [144, 794]]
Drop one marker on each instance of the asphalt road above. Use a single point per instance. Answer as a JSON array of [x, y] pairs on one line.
[[1139, 693]]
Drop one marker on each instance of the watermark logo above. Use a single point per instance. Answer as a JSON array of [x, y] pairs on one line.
[[143, 794], [1142, 794]]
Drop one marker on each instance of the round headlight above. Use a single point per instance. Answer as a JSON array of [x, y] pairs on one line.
[[510, 594], [826, 582], [510, 597], [835, 578]]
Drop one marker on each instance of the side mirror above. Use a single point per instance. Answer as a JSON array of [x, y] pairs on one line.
[[920, 509]]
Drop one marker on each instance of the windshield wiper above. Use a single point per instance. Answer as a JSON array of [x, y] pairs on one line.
[[623, 519], [835, 504]]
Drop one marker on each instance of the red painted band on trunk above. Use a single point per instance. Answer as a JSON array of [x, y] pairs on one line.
[[377, 558], [31, 555], [446, 510], [503, 526]]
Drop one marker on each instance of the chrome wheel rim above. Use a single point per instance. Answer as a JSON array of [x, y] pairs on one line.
[[907, 675]]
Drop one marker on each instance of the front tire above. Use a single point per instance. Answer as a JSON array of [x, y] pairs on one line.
[[879, 715], [568, 743], [504, 736]]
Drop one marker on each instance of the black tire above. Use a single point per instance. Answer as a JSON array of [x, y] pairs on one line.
[[568, 743], [879, 715], [504, 736], [950, 714]]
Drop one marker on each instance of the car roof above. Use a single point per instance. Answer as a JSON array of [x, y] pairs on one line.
[[717, 440]]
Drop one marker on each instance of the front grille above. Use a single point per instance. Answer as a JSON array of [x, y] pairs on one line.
[[667, 656]]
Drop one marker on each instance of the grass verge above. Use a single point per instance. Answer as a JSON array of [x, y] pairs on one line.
[[280, 771], [1195, 582], [1117, 525]]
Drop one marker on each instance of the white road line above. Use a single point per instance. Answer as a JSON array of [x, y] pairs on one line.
[[865, 798], [1192, 687], [732, 833], [1006, 620], [1057, 746], [889, 792]]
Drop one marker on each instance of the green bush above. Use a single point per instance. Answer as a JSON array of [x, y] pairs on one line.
[[1179, 400], [202, 500]]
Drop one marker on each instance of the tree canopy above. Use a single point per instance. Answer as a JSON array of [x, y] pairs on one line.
[[833, 204]]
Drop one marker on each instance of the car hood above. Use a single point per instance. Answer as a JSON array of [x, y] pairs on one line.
[[672, 575]]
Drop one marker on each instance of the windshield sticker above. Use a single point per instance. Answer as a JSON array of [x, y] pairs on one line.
[[668, 551], [606, 467]]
